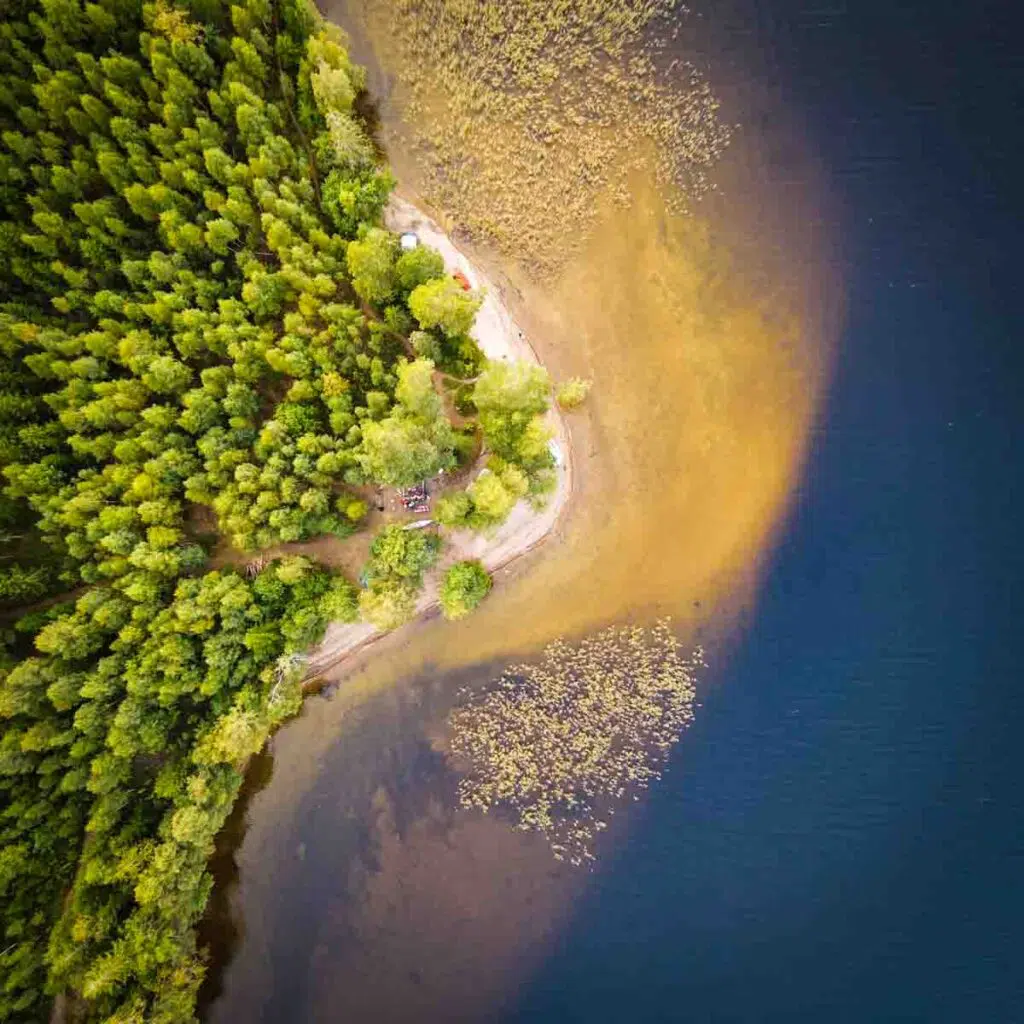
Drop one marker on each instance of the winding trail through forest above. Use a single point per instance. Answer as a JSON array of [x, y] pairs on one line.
[[500, 338]]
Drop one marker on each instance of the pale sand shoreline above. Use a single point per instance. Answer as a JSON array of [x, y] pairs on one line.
[[499, 337]]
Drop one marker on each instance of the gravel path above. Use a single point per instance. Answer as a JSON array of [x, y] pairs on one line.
[[499, 337]]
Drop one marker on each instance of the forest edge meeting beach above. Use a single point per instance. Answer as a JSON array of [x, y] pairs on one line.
[[501, 339]]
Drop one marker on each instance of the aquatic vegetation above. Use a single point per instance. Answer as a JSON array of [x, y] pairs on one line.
[[573, 393], [558, 742], [522, 112]]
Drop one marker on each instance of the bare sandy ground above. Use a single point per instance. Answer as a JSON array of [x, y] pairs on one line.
[[499, 337]]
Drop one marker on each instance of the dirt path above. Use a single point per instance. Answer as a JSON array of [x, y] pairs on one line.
[[500, 338]]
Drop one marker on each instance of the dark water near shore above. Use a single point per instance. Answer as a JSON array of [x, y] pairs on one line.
[[841, 836]]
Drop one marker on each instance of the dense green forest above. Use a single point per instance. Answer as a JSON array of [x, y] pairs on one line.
[[199, 310]]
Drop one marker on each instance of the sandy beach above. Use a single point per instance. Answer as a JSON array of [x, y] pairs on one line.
[[500, 338]]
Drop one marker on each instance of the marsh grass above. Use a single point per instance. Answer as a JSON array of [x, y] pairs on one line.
[[522, 113], [558, 743]]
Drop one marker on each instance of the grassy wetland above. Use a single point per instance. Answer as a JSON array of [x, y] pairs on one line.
[[558, 741], [519, 115], [643, 242]]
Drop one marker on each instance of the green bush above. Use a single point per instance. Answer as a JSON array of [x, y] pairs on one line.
[[453, 510], [464, 400], [573, 393], [355, 509], [397, 553], [464, 586]]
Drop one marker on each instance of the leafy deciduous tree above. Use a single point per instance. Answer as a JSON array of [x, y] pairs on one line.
[[464, 586], [443, 303]]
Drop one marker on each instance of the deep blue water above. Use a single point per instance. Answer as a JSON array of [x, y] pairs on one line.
[[841, 836]]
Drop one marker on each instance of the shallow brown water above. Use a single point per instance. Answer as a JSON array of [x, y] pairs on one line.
[[364, 893]]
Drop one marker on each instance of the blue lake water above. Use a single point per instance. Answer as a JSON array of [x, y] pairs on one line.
[[840, 836]]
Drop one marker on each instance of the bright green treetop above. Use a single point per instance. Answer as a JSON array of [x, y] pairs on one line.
[[518, 387], [371, 262], [443, 303], [464, 586], [403, 554], [415, 440], [417, 266]]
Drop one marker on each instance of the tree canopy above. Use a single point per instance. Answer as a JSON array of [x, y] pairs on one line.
[[397, 552], [417, 266], [444, 304], [202, 316], [394, 574], [415, 440], [464, 586], [507, 388], [371, 262]]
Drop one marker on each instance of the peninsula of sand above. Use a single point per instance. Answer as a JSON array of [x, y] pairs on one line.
[[500, 338]]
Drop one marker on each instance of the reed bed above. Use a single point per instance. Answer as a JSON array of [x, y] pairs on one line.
[[558, 743], [525, 114]]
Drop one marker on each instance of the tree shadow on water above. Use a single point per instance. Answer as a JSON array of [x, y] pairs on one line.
[[384, 777], [220, 930]]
